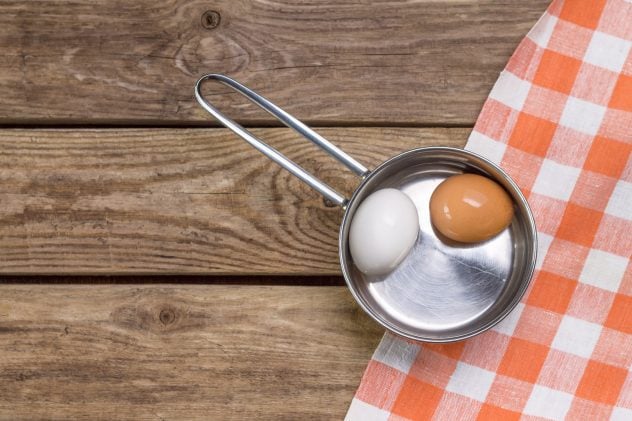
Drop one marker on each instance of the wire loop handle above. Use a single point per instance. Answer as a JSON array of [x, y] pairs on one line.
[[291, 122]]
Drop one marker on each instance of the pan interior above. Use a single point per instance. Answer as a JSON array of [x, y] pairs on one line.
[[443, 291]]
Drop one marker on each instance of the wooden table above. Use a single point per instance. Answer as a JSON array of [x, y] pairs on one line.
[[156, 267]]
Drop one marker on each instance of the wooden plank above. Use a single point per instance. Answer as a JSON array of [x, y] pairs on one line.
[[381, 63], [166, 201], [172, 352]]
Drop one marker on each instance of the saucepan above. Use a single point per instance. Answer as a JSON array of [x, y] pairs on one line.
[[440, 292]]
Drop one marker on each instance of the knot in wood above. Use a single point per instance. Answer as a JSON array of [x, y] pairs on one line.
[[210, 19], [167, 316]]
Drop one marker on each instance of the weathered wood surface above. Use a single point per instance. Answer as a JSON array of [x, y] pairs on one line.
[[125, 203], [175, 352], [362, 62], [177, 201]]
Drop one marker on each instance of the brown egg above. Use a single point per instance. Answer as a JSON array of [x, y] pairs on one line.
[[470, 208]]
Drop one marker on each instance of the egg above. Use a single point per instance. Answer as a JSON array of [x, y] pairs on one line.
[[470, 208], [383, 230]]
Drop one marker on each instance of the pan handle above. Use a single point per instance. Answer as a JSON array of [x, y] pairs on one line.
[[291, 122]]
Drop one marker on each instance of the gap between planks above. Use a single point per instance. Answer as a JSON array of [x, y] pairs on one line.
[[211, 124], [175, 279]]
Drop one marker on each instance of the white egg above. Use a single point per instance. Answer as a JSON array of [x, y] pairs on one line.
[[383, 230]]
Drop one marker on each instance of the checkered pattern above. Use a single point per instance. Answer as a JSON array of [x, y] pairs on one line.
[[559, 120]]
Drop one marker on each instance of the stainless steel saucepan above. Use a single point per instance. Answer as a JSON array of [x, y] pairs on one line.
[[441, 292]]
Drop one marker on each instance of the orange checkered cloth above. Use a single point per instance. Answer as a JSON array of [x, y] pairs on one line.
[[559, 121]]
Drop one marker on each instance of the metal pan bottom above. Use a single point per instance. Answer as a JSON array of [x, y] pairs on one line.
[[443, 291]]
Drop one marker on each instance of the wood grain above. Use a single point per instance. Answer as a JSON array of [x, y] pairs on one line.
[[422, 62], [162, 212], [166, 201], [173, 352]]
